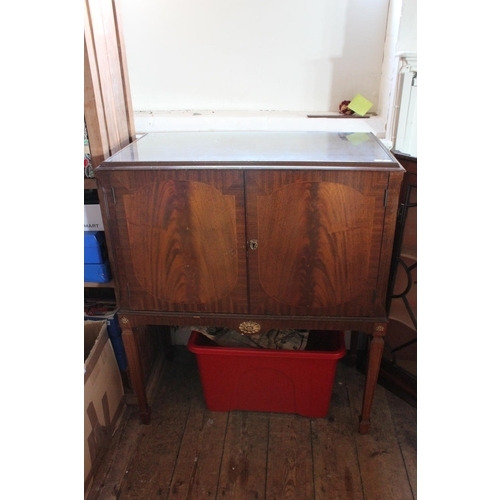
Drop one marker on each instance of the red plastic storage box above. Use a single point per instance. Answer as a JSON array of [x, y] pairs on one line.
[[269, 380]]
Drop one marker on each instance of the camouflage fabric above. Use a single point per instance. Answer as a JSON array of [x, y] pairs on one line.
[[289, 339]]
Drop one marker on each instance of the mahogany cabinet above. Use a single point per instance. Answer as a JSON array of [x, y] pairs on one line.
[[398, 370], [252, 230]]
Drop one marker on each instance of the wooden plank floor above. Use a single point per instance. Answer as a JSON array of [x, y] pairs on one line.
[[188, 452]]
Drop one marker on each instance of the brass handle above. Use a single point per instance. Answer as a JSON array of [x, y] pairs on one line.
[[253, 244], [249, 327]]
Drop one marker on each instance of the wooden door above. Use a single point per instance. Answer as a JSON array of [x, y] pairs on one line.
[[179, 239], [317, 242]]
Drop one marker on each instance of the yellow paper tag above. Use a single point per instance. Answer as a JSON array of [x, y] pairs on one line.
[[360, 105]]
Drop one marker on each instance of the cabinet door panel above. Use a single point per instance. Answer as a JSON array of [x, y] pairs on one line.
[[319, 237], [182, 240]]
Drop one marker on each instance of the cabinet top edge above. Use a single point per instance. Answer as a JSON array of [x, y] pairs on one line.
[[261, 149], [387, 167]]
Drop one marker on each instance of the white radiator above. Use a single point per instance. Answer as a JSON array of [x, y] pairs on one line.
[[405, 127]]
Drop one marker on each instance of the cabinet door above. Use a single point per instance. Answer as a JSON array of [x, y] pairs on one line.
[[318, 242], [180, 239]]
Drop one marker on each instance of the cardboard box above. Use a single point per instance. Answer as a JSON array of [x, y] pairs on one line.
[[101, 310], [104, 398], [92, 218]]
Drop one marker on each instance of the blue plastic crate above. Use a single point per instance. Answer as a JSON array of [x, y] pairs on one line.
[[97, 273], [94, 247]]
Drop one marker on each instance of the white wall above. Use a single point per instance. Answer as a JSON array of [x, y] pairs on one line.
[[407, 35], [253, 55], [390, 63], [401, 36]]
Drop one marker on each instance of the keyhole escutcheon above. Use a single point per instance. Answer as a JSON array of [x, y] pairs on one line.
[[253, 244]]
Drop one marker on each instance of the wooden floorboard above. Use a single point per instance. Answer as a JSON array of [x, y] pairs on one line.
[[404, 416], [382, 468], [196, 473], [336, 468], [244, 461], [290, 464], [191, 453]]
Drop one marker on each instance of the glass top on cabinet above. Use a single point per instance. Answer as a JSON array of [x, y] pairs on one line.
[[254, 148]]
